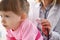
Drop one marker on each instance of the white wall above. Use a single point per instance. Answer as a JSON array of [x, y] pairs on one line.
[[2, 31]]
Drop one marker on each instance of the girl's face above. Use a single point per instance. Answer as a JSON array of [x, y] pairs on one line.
[[10, 20]]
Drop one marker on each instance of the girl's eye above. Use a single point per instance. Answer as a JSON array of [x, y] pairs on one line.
[[7, 16], [0, 15]]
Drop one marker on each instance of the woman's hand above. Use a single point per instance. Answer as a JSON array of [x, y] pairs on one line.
[[45, 26]]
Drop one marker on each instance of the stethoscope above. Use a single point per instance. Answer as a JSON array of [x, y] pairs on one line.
[[45, 17]]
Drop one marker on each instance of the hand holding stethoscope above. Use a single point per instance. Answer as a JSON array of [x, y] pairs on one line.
[[45, 26]]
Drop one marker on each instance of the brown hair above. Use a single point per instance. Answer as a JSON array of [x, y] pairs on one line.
[[57, 1], [16, 6]]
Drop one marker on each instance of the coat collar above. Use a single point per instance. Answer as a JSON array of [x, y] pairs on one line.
[[54, 15]]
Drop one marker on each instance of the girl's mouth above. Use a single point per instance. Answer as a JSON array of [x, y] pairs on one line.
[[5, 25]]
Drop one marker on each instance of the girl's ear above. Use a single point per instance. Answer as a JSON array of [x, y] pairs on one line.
[[23, 16]]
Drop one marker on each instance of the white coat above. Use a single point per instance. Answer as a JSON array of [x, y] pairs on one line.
[[53, 18]]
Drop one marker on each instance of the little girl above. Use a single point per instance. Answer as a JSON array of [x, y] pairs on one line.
[[14, 19]]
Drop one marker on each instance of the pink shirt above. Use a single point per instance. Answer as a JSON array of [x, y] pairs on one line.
[[26, 31]]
